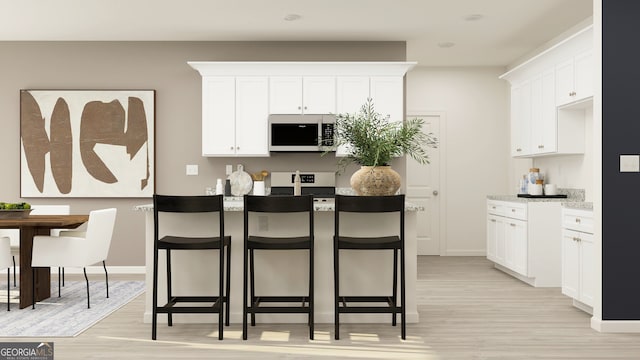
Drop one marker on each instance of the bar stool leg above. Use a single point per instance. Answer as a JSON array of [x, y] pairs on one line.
[[395, 285], [221, 287], [403, 316], [169, 314], [244, 293], [252, 295], [228, 290], [311, 300], [154, 319], [336, 289]]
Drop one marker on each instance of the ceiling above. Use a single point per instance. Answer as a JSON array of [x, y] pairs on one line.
[[507, 29]]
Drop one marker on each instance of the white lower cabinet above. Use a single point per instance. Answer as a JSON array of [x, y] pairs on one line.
[[578, 256], [522, 240]]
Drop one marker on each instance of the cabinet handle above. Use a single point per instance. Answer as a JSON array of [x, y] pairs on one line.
[[305, 108], [513, 210], [493, 207], [237, 147], [231, 148], [518, 150], [299, 107], [512, 224], [578, 220], [493, 220], [540, 146], [576, 239]]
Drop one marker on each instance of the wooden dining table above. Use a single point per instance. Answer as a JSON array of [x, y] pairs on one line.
[[31, 226]]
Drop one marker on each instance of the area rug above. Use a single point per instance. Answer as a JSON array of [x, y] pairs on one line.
[[65, 316]]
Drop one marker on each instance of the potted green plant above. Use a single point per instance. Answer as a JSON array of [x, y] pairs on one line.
[[373, 141]]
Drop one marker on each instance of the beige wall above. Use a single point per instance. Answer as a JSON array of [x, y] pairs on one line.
[[476, 107], [161, 66]]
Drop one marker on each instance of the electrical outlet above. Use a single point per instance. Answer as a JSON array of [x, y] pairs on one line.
[[263, 223], [229, 169], [629, 163], [192, 169]]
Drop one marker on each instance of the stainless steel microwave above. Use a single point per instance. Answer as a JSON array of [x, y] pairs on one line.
[[301, 133]]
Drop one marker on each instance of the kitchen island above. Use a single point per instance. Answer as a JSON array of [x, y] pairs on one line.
[[283, 272]]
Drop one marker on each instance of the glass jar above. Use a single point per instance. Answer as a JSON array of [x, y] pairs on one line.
[[534, 174]]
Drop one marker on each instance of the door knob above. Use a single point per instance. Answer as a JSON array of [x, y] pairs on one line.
[[435, 192]]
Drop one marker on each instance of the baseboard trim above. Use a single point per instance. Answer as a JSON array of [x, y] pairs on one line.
[[465, 253], [615, 326]]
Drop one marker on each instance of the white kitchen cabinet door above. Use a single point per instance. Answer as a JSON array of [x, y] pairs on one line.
[[570, 264], [583, 75], [574, 78], [351, 93], [319, 95], [302, 95], [252, 111], [218, 116], [521, 119], [543, 123], [285, 95], [516, 250], [387, 93], [492, 238], [588, 274]]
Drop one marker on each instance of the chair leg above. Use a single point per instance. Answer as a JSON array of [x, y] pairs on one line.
[[154, 308], [336, 294], [106, 277], [14, 271], [403, 316], [252, 295], [221, 287], [394, 298], [63, 276], [8, 288], [169, 315], [311, 320], [87, 280], [59, 291], [244, 294], [228, 289]]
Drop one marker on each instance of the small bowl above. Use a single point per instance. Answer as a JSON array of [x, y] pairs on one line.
[[14, 213]]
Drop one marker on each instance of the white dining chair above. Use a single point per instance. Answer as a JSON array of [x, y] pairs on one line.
[[5, 263], [14, 234], [65, 251]]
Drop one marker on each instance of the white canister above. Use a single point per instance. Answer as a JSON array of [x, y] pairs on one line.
[[535, 189], [258, 188], [550, 189]]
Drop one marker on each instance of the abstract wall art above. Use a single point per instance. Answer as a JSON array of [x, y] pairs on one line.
[[87, 143]]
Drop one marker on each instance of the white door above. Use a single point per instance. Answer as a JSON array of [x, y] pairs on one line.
[[422, 188]]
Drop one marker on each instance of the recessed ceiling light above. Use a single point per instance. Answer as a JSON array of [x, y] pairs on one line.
[[292, 17], [473, 17], [446, 44]]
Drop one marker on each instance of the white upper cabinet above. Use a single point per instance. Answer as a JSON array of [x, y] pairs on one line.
[[540, 88], [302, 95], [387, 93], [237, 97], [575, 79], [230, 105]]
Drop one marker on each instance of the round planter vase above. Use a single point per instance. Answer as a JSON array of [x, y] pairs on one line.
[[375, 181]]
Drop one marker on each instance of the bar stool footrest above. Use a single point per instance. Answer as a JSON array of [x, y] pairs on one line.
[[390, 308], [170, 308], [302, 308]]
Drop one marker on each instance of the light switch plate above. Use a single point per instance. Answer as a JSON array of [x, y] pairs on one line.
[[629, 163], [192, 169]]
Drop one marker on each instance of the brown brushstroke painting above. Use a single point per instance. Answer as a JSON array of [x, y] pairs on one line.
[[112, 144]]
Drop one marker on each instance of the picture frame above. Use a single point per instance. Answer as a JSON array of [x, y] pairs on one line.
[[87, 143]]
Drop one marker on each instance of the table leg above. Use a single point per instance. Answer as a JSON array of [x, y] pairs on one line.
[[43, 275]]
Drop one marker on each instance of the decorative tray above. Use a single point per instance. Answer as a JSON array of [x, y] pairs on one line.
[[14, 213], [560, 196]]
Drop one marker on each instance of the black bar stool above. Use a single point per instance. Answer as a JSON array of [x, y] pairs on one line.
[[276, 204], [370, 204], [191, 204]]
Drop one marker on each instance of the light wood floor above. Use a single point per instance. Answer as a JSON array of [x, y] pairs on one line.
[[468, 310]]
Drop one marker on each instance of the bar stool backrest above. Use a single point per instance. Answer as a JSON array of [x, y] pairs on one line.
[[369, 203], [278, 204], [188, 204]]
